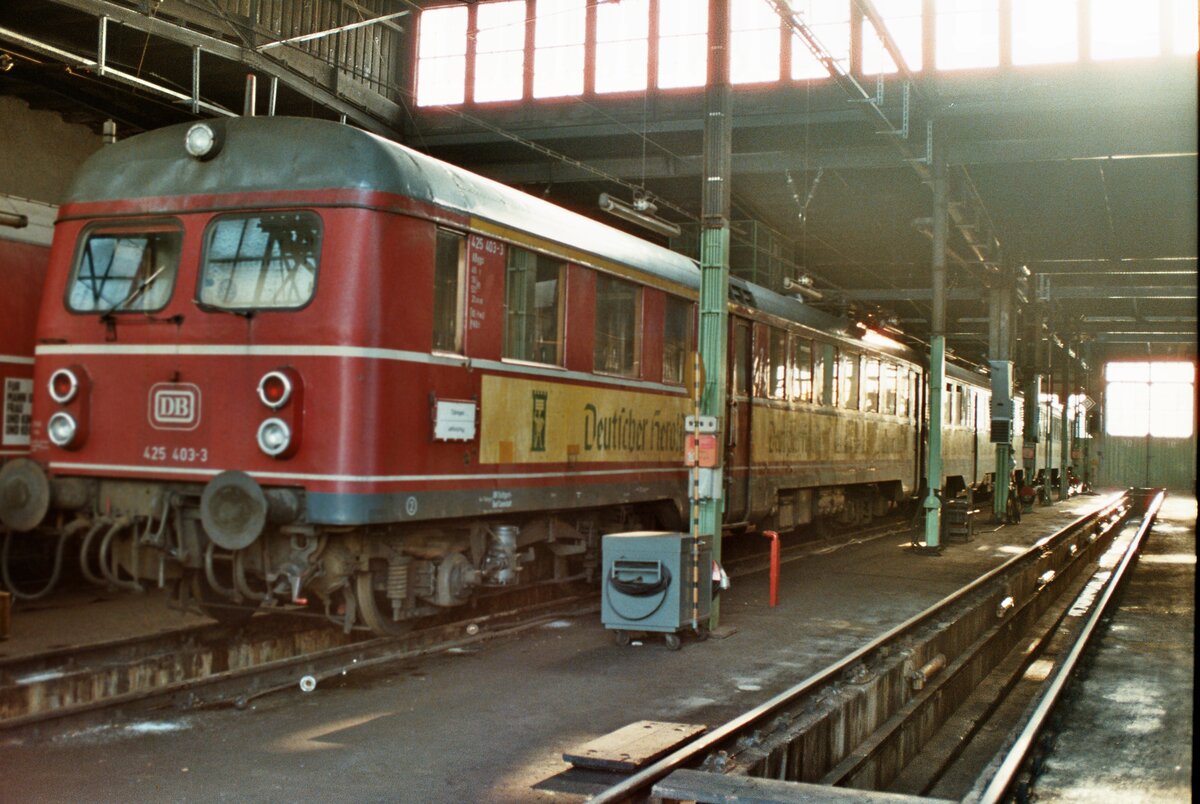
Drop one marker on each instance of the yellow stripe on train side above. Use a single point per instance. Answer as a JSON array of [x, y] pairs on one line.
[[525, 421], [783, 436]]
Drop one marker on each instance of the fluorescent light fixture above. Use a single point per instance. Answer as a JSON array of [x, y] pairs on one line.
[[641, 213]]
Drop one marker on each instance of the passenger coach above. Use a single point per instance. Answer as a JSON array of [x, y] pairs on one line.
[[286, 361]]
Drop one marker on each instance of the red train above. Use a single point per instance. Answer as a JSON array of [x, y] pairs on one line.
[[24, 251], [283, 360]]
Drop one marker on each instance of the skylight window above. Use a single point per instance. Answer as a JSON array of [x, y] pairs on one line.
[[1124, 30], [755, 42], [622, 45], [968, 34], [682, 43], [442, 56], [830, 24], [500, 51], [558, 48], [903, 21], [1045, 31]]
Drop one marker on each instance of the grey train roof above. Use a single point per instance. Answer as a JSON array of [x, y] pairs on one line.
[[262, 154]]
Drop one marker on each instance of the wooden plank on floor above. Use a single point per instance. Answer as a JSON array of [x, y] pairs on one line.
[[630, 747]]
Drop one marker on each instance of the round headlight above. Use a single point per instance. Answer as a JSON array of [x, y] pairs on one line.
[[63, 386], [61, 429], [275, 389], [274, 436], [201, 140]]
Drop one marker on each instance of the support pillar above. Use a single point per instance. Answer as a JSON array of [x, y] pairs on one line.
[[1000, 311], [714, 269], [937, 346], [1064, 453]]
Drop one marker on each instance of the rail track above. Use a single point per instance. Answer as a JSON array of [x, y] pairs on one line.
[[215, 665], [926, 709]]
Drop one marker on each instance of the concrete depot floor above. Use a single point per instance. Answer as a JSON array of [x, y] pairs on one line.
[[491, 724]]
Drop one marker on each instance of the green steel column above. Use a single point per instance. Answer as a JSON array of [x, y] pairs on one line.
[[714, 265], [1064, 440], [937, 387], [937, 345]]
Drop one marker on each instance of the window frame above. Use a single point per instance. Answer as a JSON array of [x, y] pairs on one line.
[[560, 305], [688, 327], [460, 291], [639, 309], [206, 243], [131, 227]]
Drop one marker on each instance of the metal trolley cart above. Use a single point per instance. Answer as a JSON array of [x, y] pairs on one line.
[[648, 582]]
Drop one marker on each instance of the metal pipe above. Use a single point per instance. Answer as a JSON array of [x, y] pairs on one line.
[[83, 551], [112, 573], [211, 575], [55, 573], [774, 537]]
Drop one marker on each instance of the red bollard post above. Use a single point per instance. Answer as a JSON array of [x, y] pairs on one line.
[[774, 537]]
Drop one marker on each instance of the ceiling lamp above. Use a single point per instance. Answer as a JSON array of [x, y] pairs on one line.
[[640, 212]]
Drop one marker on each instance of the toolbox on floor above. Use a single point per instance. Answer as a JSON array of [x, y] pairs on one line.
[[958, 519], [648, 580]]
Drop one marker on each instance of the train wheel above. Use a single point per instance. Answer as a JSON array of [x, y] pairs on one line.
[[368, 607]]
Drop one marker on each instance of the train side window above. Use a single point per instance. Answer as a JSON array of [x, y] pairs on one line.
[[777, 363], [677, 324], [903, 386], [887, 388], [127, 268], [448, 267], [741, 366], [266, 261], [848, 382], [870, 383], [533, 307], [961, 405], [618, 326], [802, 369], [835, 364]]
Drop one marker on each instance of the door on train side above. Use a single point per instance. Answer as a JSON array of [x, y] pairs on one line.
[[737, 452]]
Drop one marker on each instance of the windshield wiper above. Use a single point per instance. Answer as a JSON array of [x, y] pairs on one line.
[[212, 308], [136, 292]]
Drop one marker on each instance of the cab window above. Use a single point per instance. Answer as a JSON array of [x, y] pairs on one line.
[[125, 268], [260, 262]]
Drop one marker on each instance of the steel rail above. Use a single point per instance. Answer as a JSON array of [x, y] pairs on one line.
[[640, 783], [1005, 775]]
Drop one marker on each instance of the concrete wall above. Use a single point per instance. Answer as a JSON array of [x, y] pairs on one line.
[[40, 151]]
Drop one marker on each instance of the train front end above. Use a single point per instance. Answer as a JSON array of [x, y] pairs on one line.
[[183, 374]]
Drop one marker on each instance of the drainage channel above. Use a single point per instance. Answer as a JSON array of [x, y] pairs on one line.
[[74, 688], [862, 721]]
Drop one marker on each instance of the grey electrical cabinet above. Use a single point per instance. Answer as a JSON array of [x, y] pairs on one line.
[[648, 582]]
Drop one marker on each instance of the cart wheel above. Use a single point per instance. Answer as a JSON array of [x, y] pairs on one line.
[[673, 641], [701, 632], [621, 638]]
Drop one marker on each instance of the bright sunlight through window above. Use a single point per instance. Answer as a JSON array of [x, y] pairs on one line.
[[1154, 399]]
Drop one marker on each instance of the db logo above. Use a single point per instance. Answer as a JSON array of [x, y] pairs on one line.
[[174, 406]]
